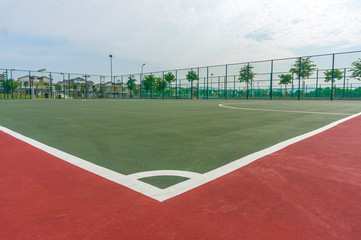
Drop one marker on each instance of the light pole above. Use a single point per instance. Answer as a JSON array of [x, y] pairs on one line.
[[111, 72], [141, 79]]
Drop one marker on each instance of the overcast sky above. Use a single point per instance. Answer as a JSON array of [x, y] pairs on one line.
[[79, 35]]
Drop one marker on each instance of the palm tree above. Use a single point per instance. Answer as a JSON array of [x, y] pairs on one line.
[[356, 69], [285, 79], [246, 75], [169, 78], [191, 76], [331, 75]]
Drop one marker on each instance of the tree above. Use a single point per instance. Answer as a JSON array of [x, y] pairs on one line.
[[148, 82], [307, 68], [169, 78], [15, 85], [285, 80], [356, 70], [131, 85], [246, 75], [74, 86], [26, 85], [94, 89], [191, 76], [83, 89], [58, 87], [47, 88], [160, 85], [67, 87], [336, 74], [6, 86]]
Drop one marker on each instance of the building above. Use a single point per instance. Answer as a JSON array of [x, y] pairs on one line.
[[39, 81]]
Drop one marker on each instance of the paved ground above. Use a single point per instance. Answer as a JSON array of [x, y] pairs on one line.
[[309, 190]]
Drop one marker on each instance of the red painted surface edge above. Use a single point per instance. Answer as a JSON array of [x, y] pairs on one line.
[[309, 190]]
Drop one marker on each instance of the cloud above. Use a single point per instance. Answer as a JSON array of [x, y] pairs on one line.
[[183, 33]]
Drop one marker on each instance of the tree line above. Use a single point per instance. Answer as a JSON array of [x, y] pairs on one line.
[[303, 68]]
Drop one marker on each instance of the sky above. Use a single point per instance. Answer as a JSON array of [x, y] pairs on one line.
[[78, 35]]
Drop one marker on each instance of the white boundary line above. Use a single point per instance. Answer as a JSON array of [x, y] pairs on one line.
[[131, 181], [286, 111]]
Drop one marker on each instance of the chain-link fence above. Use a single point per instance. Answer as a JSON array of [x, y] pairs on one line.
[[326, 76]]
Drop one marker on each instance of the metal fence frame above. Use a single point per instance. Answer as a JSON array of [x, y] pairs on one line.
[[214, 82]]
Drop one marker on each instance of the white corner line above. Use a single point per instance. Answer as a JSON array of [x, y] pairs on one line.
[[195, 179], [116, 177], [239, 163], [179, 173]]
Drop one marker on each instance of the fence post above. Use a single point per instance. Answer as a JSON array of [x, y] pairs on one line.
[[293, 88], [86, 86], [271, 82], [163, 85], [100, 86], [122, 87], [140, 84], [204, 87], [69, 84], [234, 86], [176, 84], [151, 88], [247, 79], [225, 83], [333, 67], [51, 86], [344, 81], [198, 83], [12, 84], [207, 80], [63, 85], [316, 90], [7, 84], [299, 77]]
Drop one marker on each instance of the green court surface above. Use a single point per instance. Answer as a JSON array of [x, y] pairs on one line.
[[130, 136]]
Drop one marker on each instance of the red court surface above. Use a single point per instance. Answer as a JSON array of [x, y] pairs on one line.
[[309, 190]]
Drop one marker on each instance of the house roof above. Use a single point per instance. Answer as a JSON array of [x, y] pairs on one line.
[[26, 78], [78, 79]]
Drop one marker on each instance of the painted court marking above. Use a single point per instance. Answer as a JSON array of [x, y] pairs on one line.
[[186, 174], [275, 110], [195, 179]]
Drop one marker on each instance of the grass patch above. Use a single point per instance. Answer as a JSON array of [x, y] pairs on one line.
[[163, 182]]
